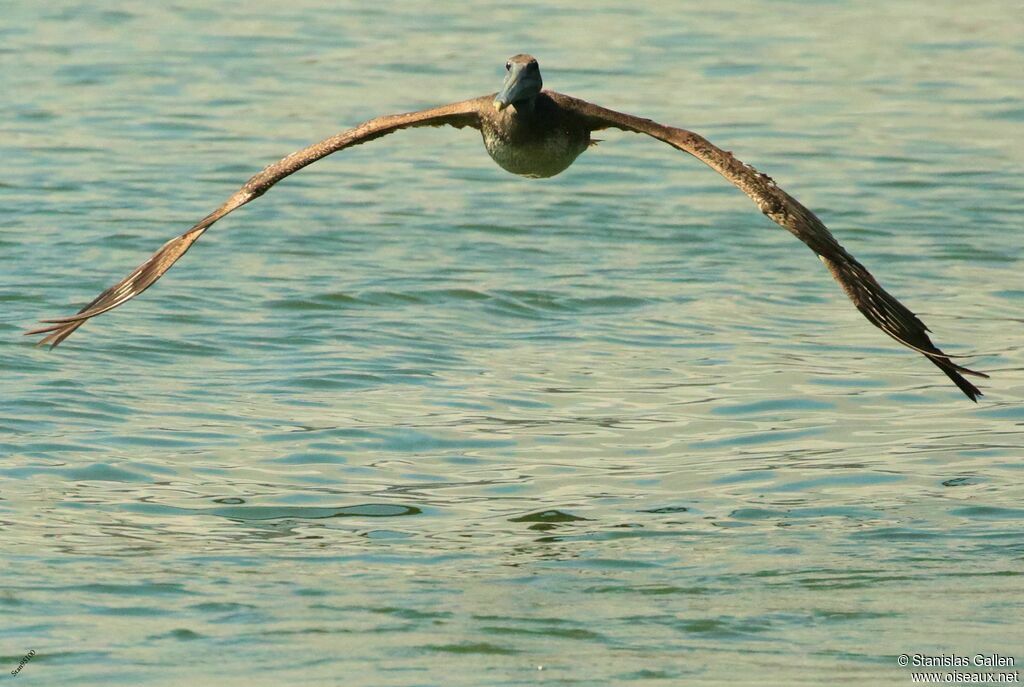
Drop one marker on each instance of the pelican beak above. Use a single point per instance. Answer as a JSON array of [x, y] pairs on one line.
[[521, 83], [505, 97]]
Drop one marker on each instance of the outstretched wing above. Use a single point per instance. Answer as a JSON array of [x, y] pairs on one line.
[[465, 113], [876, 304]]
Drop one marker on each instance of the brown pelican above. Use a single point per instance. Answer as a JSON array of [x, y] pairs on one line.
[[538, 133]]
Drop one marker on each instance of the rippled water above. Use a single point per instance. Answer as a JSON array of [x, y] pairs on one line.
[[410, 420]]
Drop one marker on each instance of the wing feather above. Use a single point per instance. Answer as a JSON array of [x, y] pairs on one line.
[[876, 304], [461, 114]]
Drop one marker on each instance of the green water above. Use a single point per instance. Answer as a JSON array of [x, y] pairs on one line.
[[410, 420]]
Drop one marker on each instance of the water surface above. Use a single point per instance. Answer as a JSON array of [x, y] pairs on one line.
[[410, 420]]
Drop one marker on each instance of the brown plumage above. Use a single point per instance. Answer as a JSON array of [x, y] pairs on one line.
[[539, 133]]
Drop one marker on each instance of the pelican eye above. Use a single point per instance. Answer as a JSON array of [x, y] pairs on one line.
[[508, 65]]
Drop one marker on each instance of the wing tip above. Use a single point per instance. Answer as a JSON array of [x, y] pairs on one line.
[[56, 331], [953, 371]]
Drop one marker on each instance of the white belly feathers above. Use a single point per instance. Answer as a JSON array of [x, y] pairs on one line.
[[541, 158]]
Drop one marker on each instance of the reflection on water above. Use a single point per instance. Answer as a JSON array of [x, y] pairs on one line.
[[412, 419]]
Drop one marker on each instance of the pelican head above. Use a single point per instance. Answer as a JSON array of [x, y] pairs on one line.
[[522, 82]]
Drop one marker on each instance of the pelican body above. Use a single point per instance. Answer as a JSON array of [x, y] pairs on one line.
[[528, 133], [539, 133], [536, 141]]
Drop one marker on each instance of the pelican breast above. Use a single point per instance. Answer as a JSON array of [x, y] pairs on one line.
[[537, 144]]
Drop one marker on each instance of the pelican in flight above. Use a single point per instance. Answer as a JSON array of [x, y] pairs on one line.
[[538, 133]]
